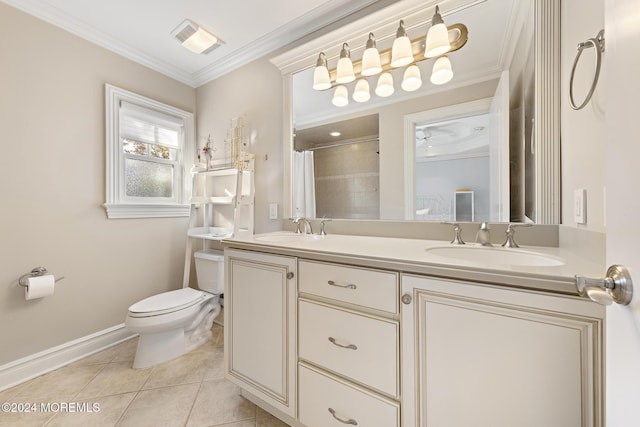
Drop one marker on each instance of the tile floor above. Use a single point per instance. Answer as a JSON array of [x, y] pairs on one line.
[[188, 391]]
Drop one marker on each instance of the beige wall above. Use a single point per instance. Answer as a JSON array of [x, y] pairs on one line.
[[583, 132], [52, 186], [254, 90]]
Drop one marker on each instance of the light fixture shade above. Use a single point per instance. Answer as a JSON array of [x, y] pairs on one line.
[[321, 78], [361, 92], [442, 71], [401, 52], [371, 58], [200, 41], [385, 85], [437, 42], [344, 71], [340, 96], [411, 80]]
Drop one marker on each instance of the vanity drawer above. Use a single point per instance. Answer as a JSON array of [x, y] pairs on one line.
[[361, 286], [359, 347], [320, 394]]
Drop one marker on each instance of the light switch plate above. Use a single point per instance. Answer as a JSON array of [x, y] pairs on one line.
[[580, 205], [273, 211]]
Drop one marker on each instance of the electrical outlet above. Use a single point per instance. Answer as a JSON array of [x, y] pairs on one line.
[[273, 211], [580, 206]]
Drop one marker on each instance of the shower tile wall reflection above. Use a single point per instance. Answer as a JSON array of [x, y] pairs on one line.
[[347, 181]]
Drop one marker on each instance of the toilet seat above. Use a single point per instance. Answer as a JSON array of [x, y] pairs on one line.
[[167, 302]]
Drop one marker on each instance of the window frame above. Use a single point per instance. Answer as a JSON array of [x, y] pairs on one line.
[[118, 204]]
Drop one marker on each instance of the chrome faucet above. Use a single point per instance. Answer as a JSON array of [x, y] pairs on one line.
[[322, 221], [307, 226], [510, 242], [483, 237], [457, 236]]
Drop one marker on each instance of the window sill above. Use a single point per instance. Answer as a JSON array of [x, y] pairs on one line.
[[131, 210]]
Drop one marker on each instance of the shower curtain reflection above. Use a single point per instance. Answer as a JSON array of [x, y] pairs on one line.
[[304, 192]]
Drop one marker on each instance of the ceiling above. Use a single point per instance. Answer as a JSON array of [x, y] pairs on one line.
[[141, 29]]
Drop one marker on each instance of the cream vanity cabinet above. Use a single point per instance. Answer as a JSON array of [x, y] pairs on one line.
[[484, 356], [260, 326], [348, 345]]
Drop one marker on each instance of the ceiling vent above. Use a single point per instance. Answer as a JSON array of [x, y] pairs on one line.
[[195, 38]]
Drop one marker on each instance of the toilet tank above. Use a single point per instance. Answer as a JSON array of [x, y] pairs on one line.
[[210, 270]]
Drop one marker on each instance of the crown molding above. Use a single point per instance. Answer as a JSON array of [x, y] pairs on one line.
[[414, 13], [318, 18], [74, 26]]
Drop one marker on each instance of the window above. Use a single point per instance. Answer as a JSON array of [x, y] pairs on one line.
[[147, 144]]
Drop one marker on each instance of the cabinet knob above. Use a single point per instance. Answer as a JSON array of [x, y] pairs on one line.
[[406, 299], [290, 275]]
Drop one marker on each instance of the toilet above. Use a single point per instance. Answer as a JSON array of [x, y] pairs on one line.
[[173, 323]]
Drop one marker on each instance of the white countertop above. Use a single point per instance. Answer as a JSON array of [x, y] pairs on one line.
[[417, 256]]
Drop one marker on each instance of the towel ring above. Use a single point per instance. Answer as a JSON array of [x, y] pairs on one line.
[[598, 44]]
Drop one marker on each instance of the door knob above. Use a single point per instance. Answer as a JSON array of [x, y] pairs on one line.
[[616, 287]]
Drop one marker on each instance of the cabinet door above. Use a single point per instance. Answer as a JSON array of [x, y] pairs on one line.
[[260, 331], [484, 356]]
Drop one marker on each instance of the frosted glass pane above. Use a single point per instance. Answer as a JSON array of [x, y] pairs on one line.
[[148, 179]]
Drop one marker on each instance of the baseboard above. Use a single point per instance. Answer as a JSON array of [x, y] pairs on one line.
[[26, 368]]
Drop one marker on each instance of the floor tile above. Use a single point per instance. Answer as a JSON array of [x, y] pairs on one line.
[[167, 406], [62, 384], [115, 378], [219, 402], [33, 417], [126, 351], [265, 419], [120, 351], [186, 369], [110, 409]]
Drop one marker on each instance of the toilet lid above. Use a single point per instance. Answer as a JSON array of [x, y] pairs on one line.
[[168, 301]]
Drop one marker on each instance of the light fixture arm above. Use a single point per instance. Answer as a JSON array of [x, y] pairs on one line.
[[437, 18]]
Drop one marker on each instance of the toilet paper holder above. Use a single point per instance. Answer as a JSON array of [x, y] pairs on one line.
[[35, 272]]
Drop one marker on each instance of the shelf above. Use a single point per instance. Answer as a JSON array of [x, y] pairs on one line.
[[214, 172], [210, 233], [220, 200]]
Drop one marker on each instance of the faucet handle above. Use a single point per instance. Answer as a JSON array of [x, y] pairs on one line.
[[322, 221], [296, 221], [510, 232], [457, 237]]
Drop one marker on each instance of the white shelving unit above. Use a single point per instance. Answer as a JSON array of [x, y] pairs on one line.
[[222, 206]]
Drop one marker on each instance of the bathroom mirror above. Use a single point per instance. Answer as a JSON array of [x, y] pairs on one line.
[[497, 62]]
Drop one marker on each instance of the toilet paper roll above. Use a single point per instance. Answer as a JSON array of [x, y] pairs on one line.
[[39, 287]]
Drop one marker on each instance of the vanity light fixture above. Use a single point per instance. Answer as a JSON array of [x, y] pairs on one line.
[[344, 73], [195, 38], [385, 85], [401, 52], [361, 92], [371, 58], [321, 78], [440, 40], [411, 80], [442, 72], [340, 96], [437, 42]]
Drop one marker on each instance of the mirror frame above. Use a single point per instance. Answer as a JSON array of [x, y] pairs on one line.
[[547, 87]]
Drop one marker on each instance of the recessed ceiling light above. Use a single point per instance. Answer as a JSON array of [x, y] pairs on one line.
[[335, 133]]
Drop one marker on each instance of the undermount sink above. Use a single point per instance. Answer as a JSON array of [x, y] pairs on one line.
[[288, 238], [494, 256]]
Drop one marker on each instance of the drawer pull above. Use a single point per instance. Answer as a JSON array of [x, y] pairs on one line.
[[350, 346], [347, 286], [349, 421]]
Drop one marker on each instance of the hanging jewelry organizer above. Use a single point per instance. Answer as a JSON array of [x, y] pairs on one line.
[[597, 43]]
